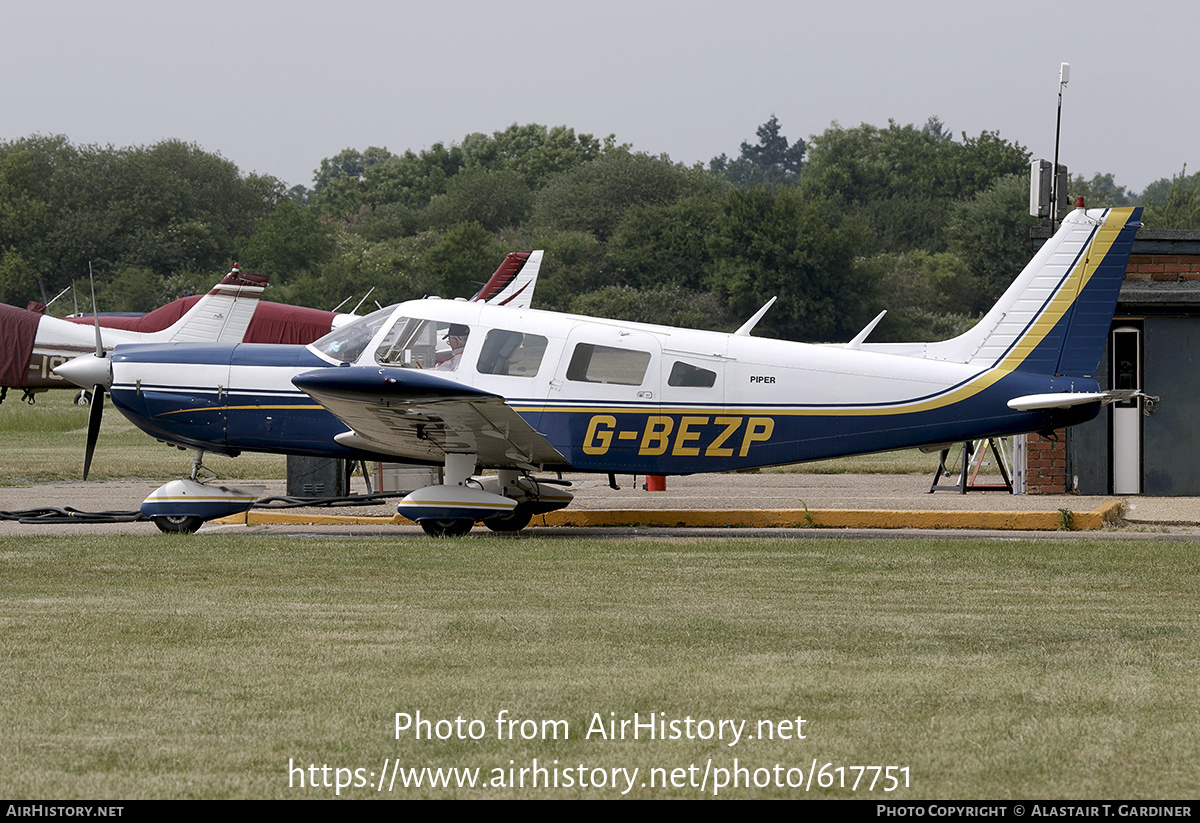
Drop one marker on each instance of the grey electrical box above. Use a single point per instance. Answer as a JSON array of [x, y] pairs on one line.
[[1064, 197], [1041, 188], [316, 477]]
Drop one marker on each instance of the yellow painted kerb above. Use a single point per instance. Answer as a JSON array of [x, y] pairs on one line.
[[1104, 515]]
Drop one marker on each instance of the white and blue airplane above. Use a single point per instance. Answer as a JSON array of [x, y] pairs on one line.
[[472, 386]]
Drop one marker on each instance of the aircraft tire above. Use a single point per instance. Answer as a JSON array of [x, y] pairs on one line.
[[514, 521], [84, 398], [447, 528], [178, 524]]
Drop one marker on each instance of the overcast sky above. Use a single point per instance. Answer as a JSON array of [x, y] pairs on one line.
[[277, 86]]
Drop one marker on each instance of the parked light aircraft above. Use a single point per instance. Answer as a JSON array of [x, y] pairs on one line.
[[541, 392], [32, 344]]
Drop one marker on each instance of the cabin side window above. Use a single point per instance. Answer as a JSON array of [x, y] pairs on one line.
[[686, 375], [591, 363], [511, 353], [414, 343], [409, 343]]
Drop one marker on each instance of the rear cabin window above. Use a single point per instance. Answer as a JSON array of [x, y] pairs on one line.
[[512, 353], [692, 377], [591, 363]]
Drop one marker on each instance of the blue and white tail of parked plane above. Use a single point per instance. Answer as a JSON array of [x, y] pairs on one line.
[[1054, 318], [537, 391]]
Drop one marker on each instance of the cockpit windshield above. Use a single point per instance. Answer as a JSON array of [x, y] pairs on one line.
[[349, 341]]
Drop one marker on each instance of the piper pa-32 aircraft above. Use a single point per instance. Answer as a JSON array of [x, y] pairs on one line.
[[472, 386]]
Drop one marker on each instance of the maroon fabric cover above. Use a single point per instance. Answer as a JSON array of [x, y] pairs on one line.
[[512, 263], [279, 323], [18, 328], [272, 322], [156, 320]]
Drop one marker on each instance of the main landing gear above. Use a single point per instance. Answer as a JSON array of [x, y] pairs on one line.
[[505, 502]]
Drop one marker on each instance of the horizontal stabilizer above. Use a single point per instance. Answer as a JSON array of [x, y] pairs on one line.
[[1064, 400]]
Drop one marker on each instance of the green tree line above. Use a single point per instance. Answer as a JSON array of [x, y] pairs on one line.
[[838, 226]]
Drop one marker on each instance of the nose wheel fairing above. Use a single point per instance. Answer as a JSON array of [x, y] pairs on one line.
[[182, 505]]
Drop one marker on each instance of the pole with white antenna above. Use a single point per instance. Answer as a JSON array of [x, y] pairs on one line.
[[1064, 77]]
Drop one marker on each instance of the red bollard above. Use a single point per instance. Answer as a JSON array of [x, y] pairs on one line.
[[656, 483]]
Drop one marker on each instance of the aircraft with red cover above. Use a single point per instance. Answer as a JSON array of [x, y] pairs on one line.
[[33, 343]]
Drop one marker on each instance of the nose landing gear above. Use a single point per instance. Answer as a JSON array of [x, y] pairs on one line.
[[182, 506]]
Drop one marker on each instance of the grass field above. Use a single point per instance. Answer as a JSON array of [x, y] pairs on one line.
[[202, 666], [44, 442]]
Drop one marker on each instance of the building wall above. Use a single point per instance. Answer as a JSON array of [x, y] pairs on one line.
[[1046, 464], [1162, 268]]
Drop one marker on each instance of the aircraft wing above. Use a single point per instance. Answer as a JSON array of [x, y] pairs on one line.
[[420, 416]]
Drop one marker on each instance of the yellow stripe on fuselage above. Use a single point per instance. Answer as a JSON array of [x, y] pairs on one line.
[[309, 407]]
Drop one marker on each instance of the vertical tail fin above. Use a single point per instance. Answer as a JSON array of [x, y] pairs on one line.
[[222, 315], [512, 284], [1054, 318]]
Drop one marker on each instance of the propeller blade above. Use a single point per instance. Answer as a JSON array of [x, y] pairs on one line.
[[95, 413], [96, 410]]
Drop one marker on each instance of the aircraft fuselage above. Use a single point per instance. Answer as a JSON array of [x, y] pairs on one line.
[[607, 396]]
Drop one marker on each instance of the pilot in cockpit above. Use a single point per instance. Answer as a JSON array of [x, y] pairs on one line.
[[456, 336]]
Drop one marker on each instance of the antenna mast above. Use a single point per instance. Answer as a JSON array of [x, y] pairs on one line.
[[1064, 77]]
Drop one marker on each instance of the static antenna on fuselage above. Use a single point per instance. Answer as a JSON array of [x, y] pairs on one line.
[[364, 300], [862, 335], [60, 294], [744, 331]]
